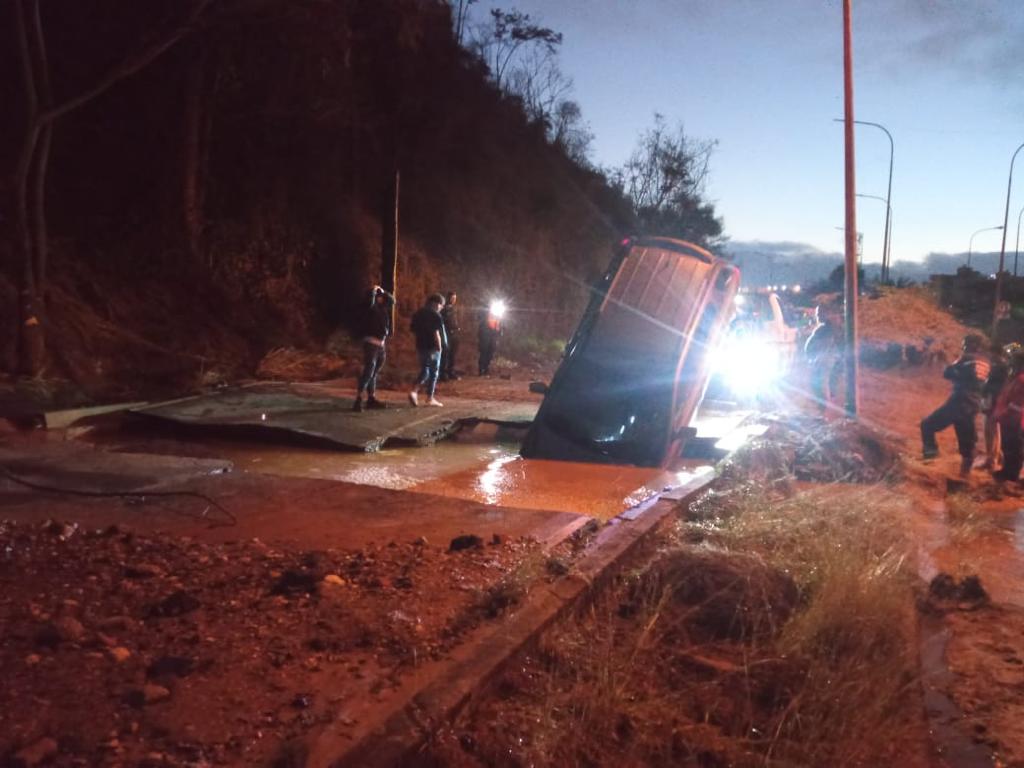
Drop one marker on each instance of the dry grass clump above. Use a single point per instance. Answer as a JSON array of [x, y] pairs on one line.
[[786, 639], [966, 520], [853, 636]]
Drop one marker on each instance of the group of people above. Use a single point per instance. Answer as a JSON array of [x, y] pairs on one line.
[[991, 383], [437, 329]]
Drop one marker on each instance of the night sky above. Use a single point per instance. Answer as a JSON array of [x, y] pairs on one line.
[[764, 79]]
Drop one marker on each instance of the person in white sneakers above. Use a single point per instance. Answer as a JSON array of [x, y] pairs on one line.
[[428, 327]]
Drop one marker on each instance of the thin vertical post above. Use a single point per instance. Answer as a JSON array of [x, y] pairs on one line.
[[389, 240], [852, 362]]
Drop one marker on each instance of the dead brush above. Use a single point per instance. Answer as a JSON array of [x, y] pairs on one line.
[[853, 636], [966, 520]]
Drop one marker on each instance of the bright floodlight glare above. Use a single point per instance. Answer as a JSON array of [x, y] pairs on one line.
[[498, 308], [747, 366], [796, 289]]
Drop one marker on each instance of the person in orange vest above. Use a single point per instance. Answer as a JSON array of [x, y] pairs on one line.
[[1008, 412], [490, 332]]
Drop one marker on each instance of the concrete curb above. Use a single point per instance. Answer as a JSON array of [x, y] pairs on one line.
[[399, 733]]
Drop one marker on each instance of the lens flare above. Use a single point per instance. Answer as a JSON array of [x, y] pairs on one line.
[[498, 308]]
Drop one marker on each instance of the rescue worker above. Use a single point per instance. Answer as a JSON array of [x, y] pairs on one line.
[[968, 372], [823, 352], [377, 329], [428, 327], [1008, 411], [450, 315], [997, 375], [487, 338]]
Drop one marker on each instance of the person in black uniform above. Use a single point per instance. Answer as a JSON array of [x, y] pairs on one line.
[[968, 373], [450, 315], [428, 327], [377, 329]]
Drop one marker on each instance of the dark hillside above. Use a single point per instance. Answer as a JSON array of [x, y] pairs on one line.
[[225, 199]]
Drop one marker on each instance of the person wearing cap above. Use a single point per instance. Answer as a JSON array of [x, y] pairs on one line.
[[428, 328], [377, 329], [967, 373], [1008, 412]]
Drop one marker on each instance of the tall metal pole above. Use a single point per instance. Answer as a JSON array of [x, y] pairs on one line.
[[852, 363], [887, 241], [1002, 249], [1016, 250]]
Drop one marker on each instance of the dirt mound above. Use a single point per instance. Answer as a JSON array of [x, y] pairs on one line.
[[910, 317], [715, 595], [289, 364]]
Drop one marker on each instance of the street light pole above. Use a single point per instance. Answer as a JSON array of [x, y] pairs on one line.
[[1016, 250], [1002, 249], [886, 252], [884, 277], [851, 216], [970, 243]]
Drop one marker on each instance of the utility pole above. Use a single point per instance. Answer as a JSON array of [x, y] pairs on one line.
[[850, 293], [389, 240]]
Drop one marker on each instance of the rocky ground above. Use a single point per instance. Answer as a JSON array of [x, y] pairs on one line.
[[124, 649]]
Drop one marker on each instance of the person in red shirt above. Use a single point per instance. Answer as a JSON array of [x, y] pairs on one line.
[[1008, 413]]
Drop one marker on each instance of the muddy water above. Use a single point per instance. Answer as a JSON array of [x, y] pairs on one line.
[[480, 463]]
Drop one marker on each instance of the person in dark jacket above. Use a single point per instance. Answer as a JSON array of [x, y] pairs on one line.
[[376, 330], [450, 315], [998, 372], [428, 327], [823, 353], [1008, 411], [967, 373]]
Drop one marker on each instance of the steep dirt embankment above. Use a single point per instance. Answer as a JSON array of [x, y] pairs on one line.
[[226, 200]]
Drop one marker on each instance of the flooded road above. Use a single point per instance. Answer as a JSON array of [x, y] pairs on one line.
[[478, 463]]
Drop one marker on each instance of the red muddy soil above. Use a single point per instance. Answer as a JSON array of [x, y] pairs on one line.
[[129, 649]]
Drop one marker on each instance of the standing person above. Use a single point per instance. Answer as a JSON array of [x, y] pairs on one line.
[[377, 329], [998, 372], [823, 352], [968, 372], [450, 315], [489, 333], [428, 327], [1008, 411]]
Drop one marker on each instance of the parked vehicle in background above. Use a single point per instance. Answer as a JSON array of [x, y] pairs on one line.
[[638, 365]]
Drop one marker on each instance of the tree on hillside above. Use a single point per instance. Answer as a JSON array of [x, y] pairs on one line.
[[508, 35], [42, 110], [664, 179], [460, 16]]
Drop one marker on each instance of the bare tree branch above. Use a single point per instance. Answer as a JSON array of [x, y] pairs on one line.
[[132, 63]]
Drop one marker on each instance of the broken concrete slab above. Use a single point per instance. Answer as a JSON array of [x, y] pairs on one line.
[[281, 409], [75, 467]]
